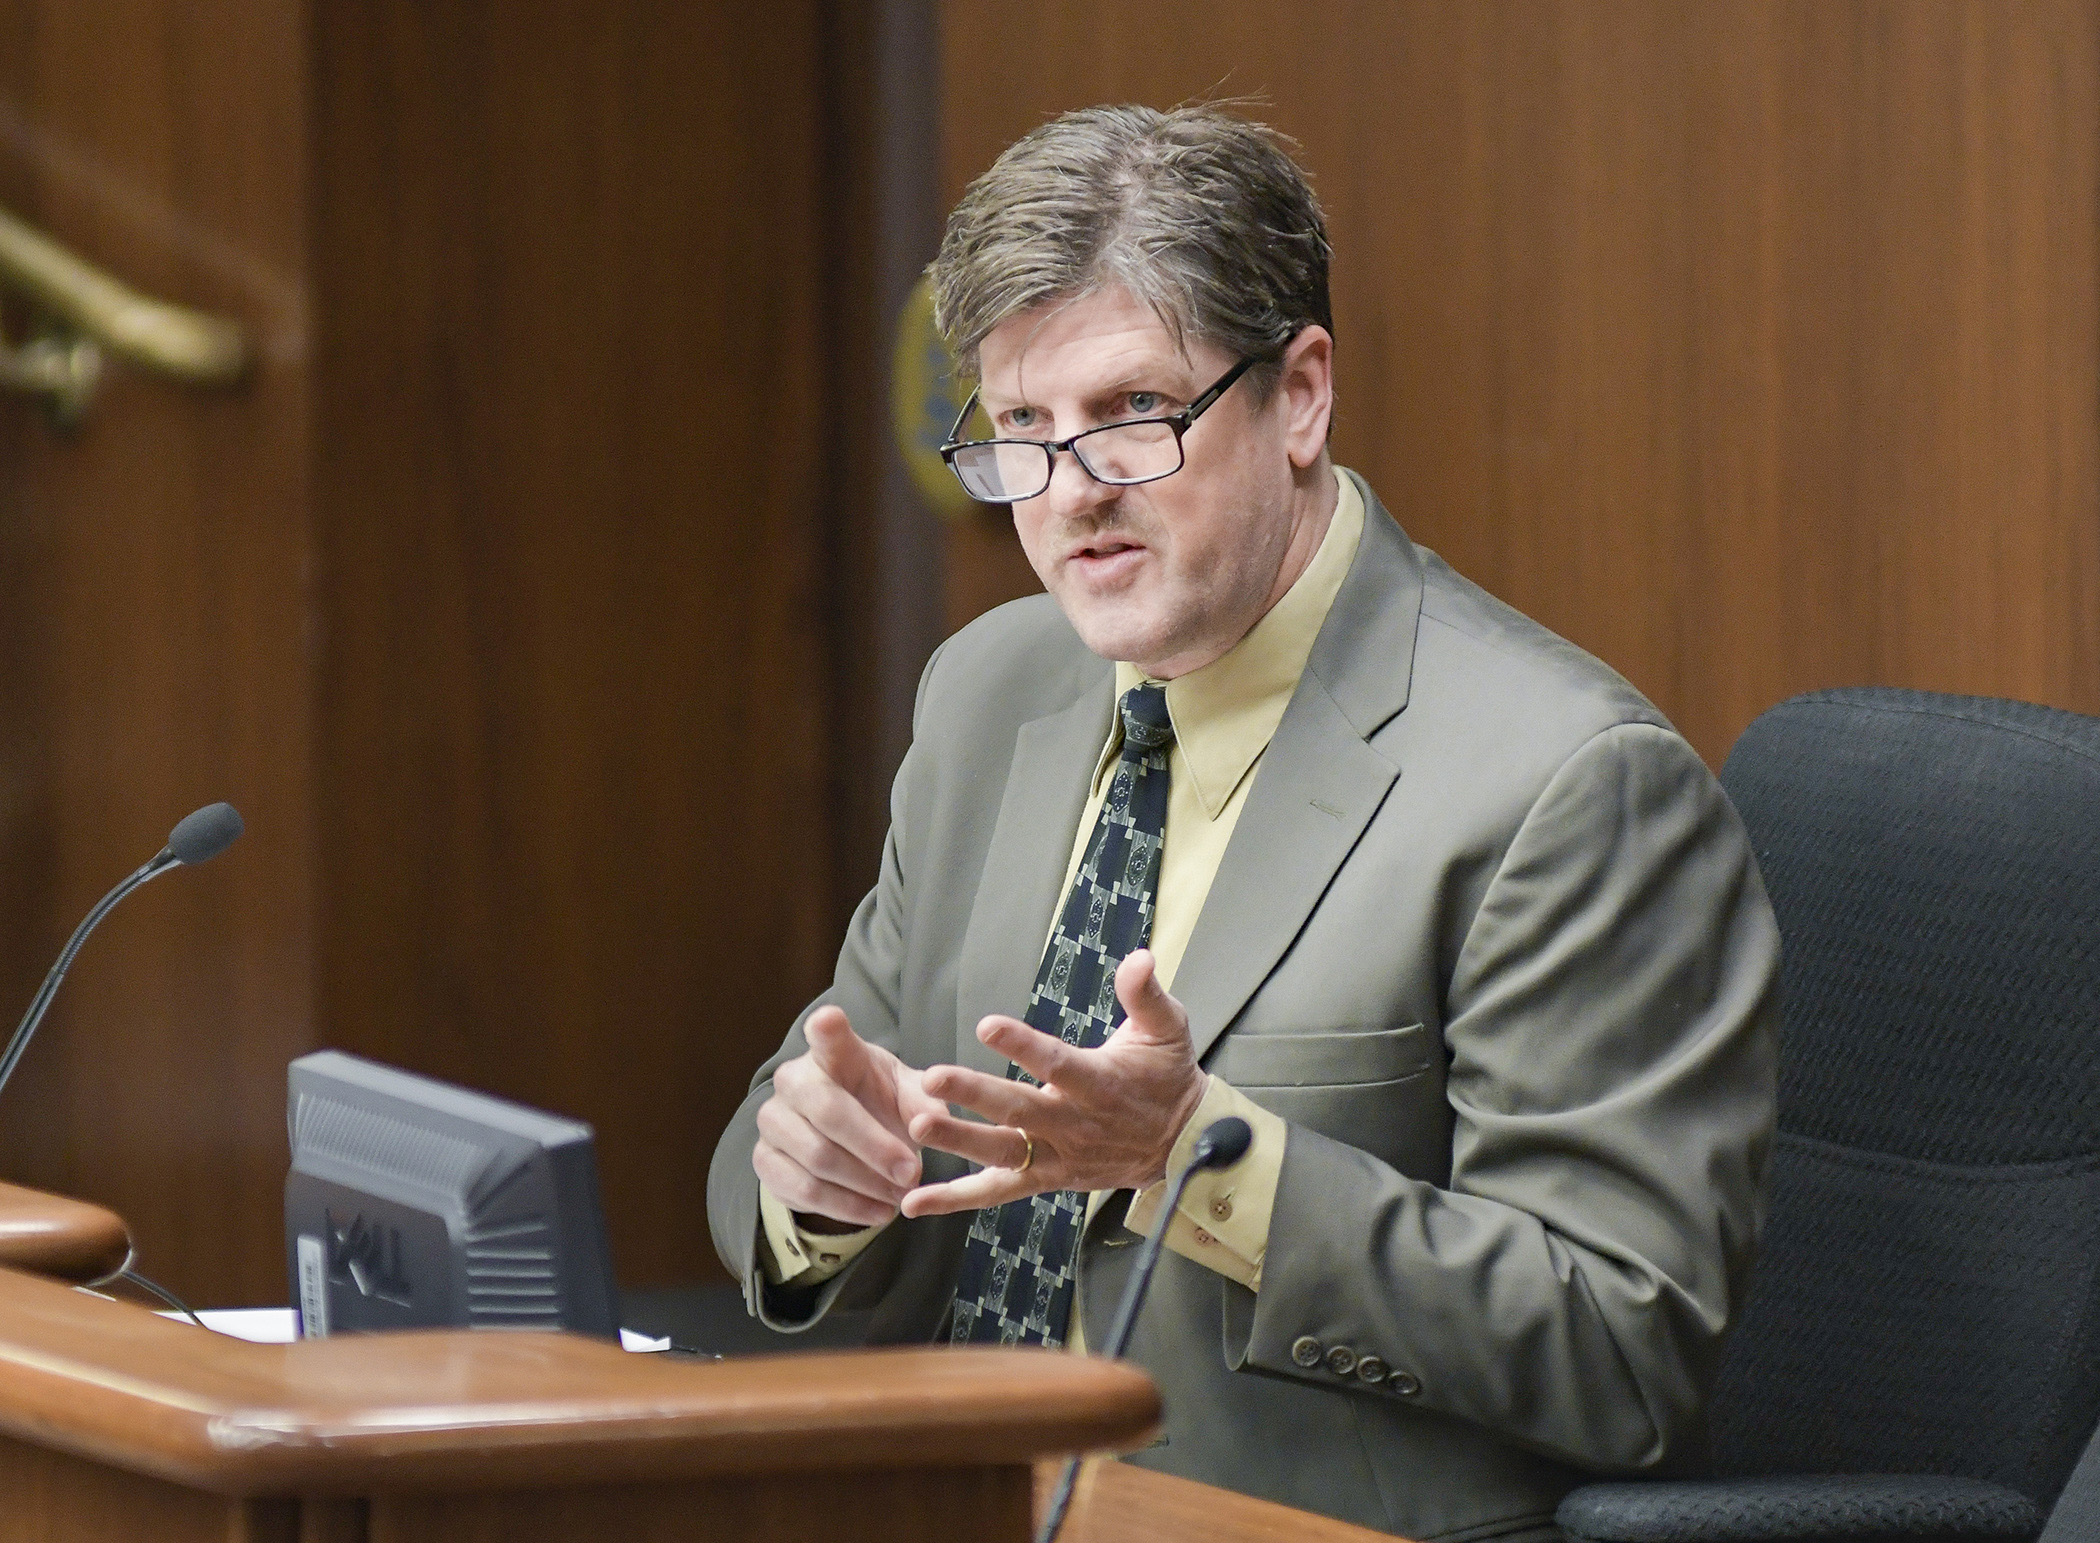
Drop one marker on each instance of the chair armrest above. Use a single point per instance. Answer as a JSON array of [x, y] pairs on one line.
[[1769, 1510]]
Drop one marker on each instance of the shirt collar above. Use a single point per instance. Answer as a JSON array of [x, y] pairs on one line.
[[1226, 713]]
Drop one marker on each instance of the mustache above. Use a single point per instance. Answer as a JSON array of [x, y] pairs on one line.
[[1104, 526]]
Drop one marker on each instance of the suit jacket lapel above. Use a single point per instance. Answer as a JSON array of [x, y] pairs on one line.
[[1024, 868], [1318, 785]]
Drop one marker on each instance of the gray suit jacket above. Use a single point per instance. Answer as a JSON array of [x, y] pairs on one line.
[[1488, 935]]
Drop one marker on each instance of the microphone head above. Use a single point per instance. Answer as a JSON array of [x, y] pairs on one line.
[[1223, 1143], [200, 837]]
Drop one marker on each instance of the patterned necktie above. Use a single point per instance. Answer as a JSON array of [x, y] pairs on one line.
[[1018, 1263]]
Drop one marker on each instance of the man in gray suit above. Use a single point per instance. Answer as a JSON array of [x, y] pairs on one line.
[[1263, 810]]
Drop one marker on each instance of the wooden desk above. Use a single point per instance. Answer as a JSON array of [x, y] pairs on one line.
[[1116, 1503], [118, 1424], [51, 1235]]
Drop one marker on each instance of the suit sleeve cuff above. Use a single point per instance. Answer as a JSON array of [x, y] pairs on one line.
[[793, 1256], [1223, 1220]]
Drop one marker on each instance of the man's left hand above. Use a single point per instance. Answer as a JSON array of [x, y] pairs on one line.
[[1102, 1119]]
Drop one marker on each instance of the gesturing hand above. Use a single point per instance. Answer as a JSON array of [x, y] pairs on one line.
[[1103, 1119], [834, 1140]]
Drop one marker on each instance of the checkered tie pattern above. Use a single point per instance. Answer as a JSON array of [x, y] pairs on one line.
[[1019, 1262]]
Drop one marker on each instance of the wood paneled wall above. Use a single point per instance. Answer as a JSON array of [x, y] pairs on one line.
[[500, 600], [159, 636], [573, 813], [1750, 345]]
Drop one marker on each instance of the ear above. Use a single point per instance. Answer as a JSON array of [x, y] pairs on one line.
[[1305, 395]]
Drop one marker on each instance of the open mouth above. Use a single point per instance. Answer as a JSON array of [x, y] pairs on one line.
[[1105, 560], [1107, 551]]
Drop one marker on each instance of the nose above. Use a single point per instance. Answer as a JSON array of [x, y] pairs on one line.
[[1073, 493]]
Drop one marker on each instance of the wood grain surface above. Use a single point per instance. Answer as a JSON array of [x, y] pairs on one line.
[[573, 831], [54, 1495], [1119, 1503], [1752, 346], [48, 1234], [1115, 1503], [914, 1506], [500, 600], [452, 1410], [157, 585], [125, 1422]]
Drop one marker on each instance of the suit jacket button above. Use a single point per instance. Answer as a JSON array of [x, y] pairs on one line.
[[1221, 1209], [1371, 1369], [1305, 1350], [1341, 1360], [1406, 1384]]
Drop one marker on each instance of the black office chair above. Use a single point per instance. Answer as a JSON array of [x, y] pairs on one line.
[[1919, 1353], [2076, 1518]]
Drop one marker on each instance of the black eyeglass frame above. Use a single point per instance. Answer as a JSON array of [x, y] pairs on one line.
[[1178, 422]]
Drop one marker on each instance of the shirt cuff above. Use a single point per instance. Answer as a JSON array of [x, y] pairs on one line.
[[1223, 1220], [789, 1254]]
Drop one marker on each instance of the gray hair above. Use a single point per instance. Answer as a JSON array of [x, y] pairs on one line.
[[1203, 216]]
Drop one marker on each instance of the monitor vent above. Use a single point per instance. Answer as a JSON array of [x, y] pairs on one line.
[[382, 1144], [511, 1281]]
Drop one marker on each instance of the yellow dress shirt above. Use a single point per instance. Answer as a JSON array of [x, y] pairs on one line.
[[1224, 716]]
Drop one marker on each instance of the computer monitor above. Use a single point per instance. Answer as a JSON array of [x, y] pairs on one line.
[[412, 1203]]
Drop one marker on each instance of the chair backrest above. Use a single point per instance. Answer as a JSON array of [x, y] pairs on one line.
[[1927, 1295]]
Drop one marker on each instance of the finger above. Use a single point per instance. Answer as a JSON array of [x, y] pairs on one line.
[[992, 1186], [1000, 1100], [1044, 1057], [993, 1146], [792, 1133], [840, 1117], [912, 1097], [841, 1054], [799, 1190], [1147, 1006]]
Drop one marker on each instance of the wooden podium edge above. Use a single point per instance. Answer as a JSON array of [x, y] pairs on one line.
[[51, 1235], [439, 1410], [312, 1440], [1122, 1503]]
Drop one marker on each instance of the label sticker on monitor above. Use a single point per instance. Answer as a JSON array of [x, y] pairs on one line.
[[313, 1287]]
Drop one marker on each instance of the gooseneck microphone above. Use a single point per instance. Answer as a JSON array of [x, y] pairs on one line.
[[198, 838], [1223, 1143]]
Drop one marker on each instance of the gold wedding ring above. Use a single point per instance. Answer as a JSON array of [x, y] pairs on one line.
[[1027, 1156]]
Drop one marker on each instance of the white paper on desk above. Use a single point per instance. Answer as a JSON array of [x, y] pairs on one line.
[[280, 1326], [257, 1325]]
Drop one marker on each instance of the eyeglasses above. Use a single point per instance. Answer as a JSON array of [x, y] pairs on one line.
[[1006, 471]]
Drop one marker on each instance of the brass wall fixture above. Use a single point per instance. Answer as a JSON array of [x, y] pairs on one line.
[[82, 316]]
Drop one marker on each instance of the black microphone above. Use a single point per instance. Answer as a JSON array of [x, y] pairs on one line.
[[1223, 1143], [197, 838]]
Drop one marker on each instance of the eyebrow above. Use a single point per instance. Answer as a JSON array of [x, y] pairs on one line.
[[1111, 388]]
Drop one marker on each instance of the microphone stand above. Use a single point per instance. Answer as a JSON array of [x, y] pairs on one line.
[[1221, 1144], [152, 869], [198, 837]]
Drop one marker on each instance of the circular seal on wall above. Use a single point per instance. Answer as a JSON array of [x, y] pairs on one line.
[[925, 396]]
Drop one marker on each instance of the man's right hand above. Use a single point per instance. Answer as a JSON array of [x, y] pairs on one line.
[[833, 1140]]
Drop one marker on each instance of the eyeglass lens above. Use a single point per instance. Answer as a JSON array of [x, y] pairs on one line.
[[1006, 471]]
